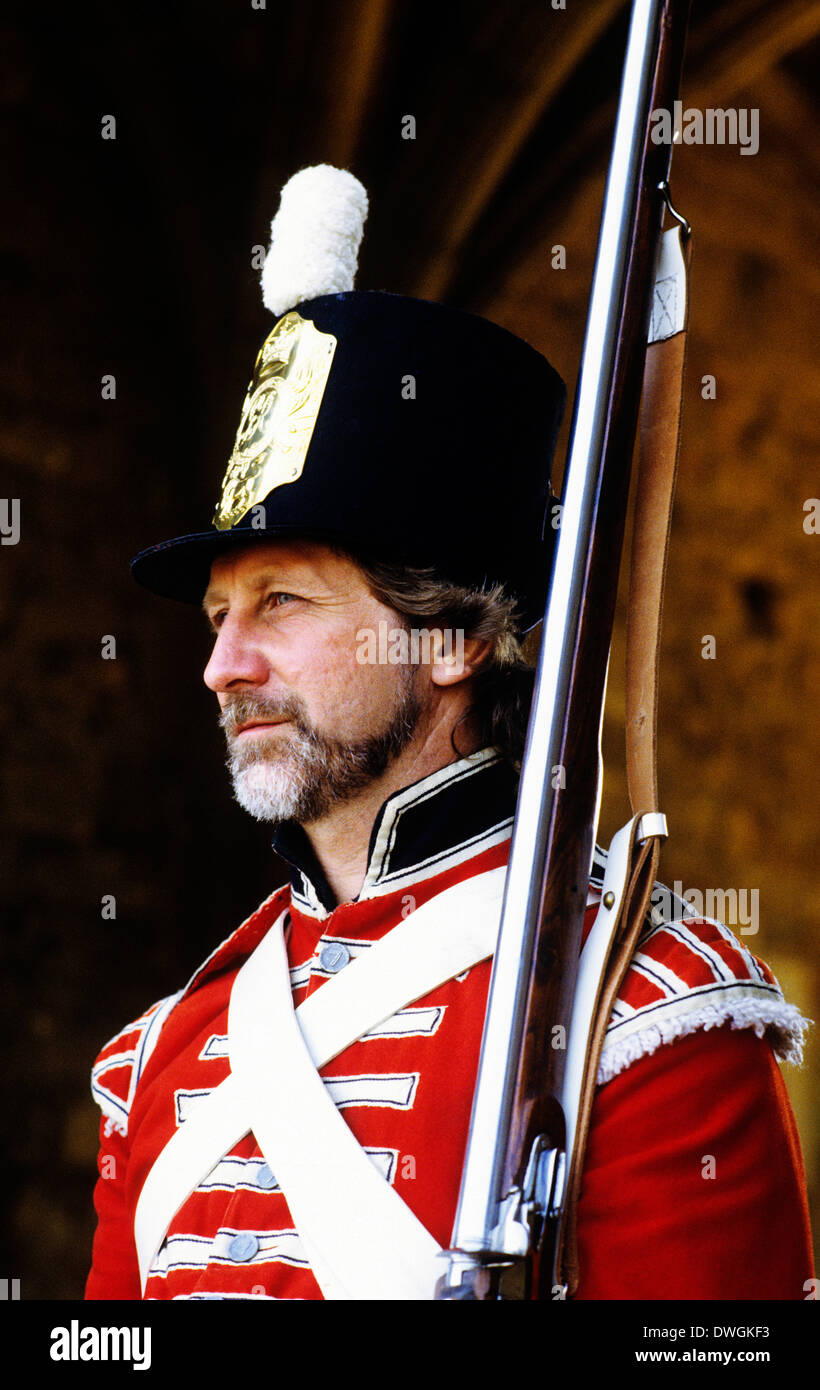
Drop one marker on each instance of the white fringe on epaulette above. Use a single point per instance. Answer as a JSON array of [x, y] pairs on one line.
[[316, 236], [111, 1125], [781, 1023]]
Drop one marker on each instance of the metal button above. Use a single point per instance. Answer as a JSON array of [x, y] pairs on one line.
[[334, 957], [264, 1177], [244, 1246]]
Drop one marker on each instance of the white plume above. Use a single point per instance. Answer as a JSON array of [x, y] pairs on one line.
[[316, 236]]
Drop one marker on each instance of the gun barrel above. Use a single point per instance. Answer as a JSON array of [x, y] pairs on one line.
[[516, 1112]]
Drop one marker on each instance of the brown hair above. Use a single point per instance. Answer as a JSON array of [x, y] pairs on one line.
[[504, 685]]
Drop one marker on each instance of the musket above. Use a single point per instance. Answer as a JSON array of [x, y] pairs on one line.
[[514, 1173]]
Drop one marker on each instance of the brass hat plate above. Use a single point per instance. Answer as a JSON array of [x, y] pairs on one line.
[[278, 416]]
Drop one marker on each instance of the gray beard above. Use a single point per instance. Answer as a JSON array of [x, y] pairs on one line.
[[302, 775]]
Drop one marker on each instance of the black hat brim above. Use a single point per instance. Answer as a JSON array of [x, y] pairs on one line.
[[180, 568]]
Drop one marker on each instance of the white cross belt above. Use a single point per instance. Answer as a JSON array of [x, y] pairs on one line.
[[362, 1240]]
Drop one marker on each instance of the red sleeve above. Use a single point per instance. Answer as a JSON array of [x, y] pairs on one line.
[[114, 1270], [694, 1184]]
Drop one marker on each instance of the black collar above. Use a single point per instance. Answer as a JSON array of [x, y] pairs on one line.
[[420, 830]]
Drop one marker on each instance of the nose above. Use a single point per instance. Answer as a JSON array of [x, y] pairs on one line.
[[236, 659]]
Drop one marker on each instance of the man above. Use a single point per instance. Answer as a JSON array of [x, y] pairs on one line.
[[378, 554]]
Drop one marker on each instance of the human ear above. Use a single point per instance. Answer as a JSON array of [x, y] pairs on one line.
[[456, 657]]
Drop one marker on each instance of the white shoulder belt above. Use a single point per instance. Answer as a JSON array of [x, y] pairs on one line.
[[368, 1245]]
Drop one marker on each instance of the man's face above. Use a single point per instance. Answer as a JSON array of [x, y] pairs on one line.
[[307, 725]]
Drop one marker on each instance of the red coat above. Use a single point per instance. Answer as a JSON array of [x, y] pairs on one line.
[[693, 1182]]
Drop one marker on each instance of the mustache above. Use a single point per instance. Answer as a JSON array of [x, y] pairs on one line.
[[240, 708]]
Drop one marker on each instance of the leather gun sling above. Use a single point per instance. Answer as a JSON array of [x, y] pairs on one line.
[[658, 444]]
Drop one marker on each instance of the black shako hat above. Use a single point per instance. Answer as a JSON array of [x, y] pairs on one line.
[[393, 428]]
